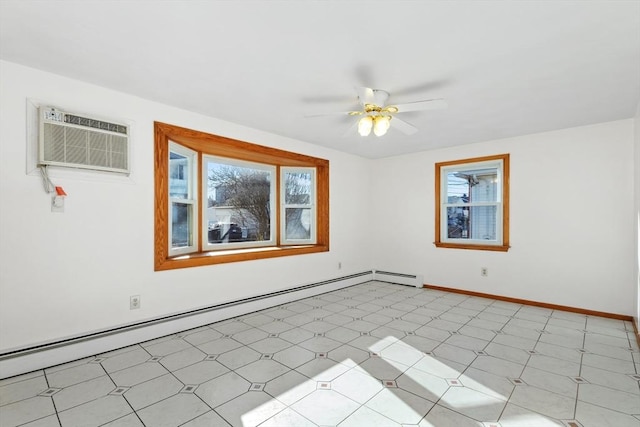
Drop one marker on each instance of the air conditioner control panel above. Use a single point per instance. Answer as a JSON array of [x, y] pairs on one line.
[[53, 115]]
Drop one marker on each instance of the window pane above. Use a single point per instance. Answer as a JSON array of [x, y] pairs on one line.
[[297, 188], [178, 176], [298, 224], [475, 222], [474, 185], [181, 227], [238, 202], [457, 188]]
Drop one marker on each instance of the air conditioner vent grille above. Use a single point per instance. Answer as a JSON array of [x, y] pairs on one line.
[[75, 141]]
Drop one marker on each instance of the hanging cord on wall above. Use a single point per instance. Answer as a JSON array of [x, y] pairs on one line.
[[49, 187]]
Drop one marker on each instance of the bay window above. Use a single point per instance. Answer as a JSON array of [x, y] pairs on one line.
[[221, 200]]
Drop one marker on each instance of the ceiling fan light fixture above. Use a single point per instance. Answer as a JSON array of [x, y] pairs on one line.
[[381, 125], [365, 125], [375, 115]]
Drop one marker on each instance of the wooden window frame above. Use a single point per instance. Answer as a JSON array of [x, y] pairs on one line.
[[205, 143], [504, 245]]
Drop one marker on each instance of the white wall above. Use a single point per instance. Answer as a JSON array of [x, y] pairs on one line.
[[636, 234], [71, 273], [571, 219]]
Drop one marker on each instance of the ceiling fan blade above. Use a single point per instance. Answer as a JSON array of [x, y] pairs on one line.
[[429, 104], [351, 130], [402, 126], [339, 113]]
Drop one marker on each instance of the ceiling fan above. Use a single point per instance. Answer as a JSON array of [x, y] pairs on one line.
[[377, 116]]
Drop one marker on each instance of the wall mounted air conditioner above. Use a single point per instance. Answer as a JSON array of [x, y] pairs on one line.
[[77, 141]]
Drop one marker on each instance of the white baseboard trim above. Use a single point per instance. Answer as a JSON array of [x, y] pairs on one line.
[[20, 361], [416, 280]]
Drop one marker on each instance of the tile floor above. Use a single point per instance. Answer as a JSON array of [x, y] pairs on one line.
[[375, 354]]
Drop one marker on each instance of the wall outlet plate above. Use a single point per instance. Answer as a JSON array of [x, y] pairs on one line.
[[57, 204], [134, 302]]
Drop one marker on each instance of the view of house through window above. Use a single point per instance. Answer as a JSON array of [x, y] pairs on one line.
[[299, 193], [240, 198], [182, 199], [472, 203], [472, 197], [221, 200]]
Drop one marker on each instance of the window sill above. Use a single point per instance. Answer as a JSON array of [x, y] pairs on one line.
[[235, 255], [495, 248]]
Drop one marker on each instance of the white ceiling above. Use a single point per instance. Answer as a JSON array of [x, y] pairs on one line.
[[505, 68]]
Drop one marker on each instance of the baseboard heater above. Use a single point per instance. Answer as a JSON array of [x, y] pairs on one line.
[[23, 360], [416, 280]]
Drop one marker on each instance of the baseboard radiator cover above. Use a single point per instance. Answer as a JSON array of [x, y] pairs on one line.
[[416, 280], [20, 361]]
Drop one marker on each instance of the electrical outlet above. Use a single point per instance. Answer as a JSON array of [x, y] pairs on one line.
[[340, 266], [134, 302], [484, 271], [57, 204]]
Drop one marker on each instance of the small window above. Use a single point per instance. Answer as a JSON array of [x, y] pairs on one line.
[[298, 188], [220, 200], [472, 203], [183, 202]]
